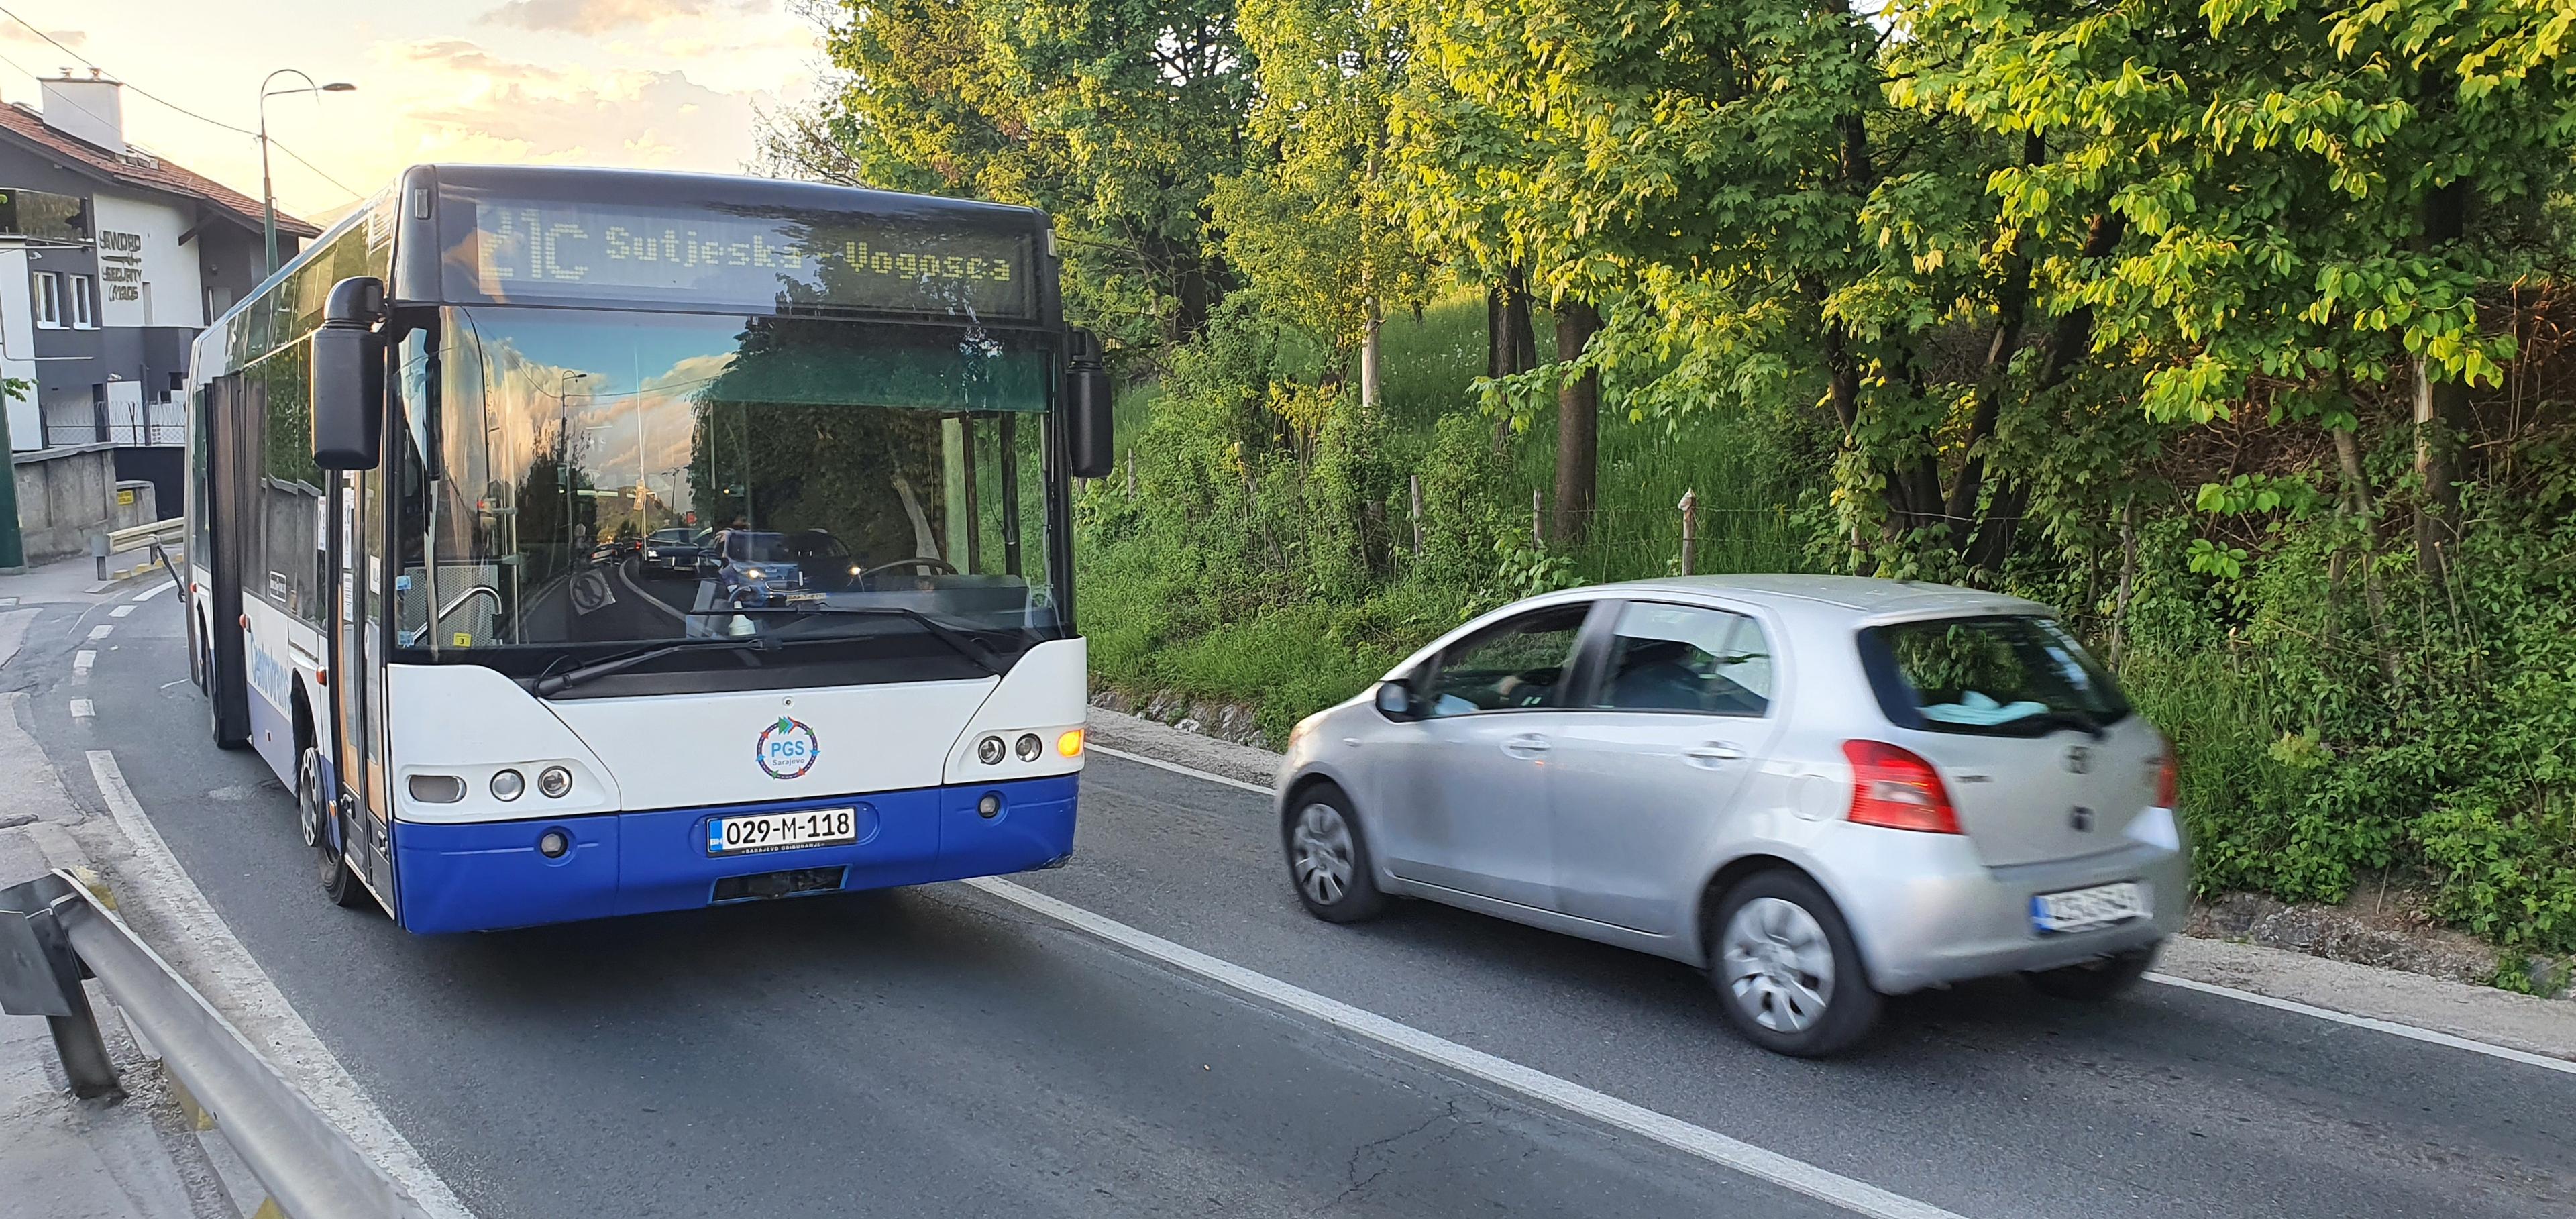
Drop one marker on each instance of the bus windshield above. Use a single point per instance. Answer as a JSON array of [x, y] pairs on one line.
[[603, 478]]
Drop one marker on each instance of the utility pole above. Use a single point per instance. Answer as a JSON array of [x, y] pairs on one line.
[[268, 196]]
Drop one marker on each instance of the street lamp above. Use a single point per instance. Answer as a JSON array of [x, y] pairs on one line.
[[563, 464], [268, 196]]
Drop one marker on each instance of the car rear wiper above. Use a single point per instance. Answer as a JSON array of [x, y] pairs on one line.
[[973, 650], [548, 687]]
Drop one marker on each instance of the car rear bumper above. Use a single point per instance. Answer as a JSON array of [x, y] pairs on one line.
[[483, 876], [1925, 911]]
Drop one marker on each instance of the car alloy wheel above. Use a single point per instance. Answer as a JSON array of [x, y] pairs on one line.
[[1323, 856], [1779, 968]]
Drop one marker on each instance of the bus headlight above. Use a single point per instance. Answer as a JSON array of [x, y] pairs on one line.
[[989, 751], [508, 785], [1030, 746], [554, 781]]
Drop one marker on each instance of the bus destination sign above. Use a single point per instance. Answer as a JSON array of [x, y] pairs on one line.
[[611, 253]]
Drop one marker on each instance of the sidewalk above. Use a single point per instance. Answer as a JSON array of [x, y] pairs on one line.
[[66, 1158]]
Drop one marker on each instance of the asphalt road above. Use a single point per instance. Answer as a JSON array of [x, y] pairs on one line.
[[940, 1051]]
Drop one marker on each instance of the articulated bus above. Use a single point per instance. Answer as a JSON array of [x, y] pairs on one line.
[[582, 542]]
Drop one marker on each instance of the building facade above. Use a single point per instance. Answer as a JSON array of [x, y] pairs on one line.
[[111, 260]]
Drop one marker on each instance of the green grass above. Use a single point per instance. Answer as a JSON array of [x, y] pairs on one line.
[[1288, 660]]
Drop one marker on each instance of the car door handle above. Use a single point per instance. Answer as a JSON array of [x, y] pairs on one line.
[[1714, 753], [1526, 745]]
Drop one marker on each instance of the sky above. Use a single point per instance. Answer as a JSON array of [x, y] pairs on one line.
[[672, 84]]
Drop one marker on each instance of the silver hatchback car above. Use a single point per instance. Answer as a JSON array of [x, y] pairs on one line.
[[1822, 789]]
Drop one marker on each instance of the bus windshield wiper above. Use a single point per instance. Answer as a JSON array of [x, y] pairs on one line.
[[973, 650], [548, 687]]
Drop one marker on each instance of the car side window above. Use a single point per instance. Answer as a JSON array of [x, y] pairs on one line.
[[1687, 658], [1519, 664]]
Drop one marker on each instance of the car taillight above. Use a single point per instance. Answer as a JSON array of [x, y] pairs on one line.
[[1893, 787], [2167, 778]]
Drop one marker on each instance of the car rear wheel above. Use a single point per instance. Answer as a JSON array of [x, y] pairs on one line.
[[2095, 980], [1786, 969], [1328, 860]]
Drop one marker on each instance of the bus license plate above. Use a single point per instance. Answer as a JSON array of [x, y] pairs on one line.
[[758, 832], [2082, 909]]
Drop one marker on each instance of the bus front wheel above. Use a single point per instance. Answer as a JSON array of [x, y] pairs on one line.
[[324, 833]]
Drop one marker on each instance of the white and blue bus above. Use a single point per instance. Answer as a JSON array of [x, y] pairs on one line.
[[584, 542]]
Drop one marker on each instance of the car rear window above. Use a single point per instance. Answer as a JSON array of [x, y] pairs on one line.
[[1999, 675]]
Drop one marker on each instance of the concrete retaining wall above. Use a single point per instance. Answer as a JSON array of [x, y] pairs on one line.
[[67, 495]]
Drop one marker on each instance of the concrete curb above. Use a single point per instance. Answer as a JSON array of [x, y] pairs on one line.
[[2477, 1013]]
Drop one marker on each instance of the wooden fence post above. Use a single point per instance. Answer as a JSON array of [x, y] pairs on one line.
[[1690, 530], [1131, 473], [1538, 538], [1416, 495]]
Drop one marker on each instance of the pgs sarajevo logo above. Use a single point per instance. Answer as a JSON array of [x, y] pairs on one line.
[[787, 749]]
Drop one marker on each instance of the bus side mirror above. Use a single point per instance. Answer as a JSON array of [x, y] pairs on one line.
[[1087, 410], [349, 377]]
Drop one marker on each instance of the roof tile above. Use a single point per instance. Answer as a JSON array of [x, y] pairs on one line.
[[144, 170]]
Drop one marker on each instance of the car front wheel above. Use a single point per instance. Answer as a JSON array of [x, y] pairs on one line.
[[1786, 969], [1328, 860]]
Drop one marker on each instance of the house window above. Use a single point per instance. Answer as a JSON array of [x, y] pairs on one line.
[[83, 317], [49, 300]]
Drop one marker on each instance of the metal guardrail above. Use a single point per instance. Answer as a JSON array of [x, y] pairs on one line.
[[101, 545], [54, 932]]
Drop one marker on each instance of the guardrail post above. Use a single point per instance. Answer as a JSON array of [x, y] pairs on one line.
[[98, 552], [40, 975]]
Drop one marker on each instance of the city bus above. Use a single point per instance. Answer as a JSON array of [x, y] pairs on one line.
[[435, 462]]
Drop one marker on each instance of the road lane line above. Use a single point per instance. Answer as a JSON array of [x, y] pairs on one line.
[[2390, 1027], [1797, 1175], [122, 610], [101, 631], [260, 1008], [82, 660], [647, 598], [154, 591], [83, 709], [1178, 769], [2361, 1022]]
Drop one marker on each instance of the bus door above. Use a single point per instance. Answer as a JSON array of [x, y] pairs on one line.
[[232, 512], [358, 675]]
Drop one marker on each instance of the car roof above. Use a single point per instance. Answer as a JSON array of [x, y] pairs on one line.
[[1858, 595]]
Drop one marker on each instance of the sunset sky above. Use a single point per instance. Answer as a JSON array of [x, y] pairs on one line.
[[665, 83]]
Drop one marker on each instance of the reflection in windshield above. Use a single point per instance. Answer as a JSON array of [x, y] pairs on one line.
[[618, 478]]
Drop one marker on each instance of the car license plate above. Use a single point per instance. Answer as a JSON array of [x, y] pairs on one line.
[[758, 832], [2080, 909]]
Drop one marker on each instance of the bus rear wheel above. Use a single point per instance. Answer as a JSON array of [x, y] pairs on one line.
[[324, 832]]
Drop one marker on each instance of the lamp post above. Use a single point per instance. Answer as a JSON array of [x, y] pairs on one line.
[[267, 195], [563, 466]]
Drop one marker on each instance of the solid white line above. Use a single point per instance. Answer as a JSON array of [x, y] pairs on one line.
[[154, 591], [101, 631], [1178, 769], [1798, 1175], [83, 709], [647, 598], [82, 660], [258, 1006], [121, 611], [2362, 1022], [2525, 1057]]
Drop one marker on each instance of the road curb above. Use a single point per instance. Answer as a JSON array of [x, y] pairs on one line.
[[2477, 1013]]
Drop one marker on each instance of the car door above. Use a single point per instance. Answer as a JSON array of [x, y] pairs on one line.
[[1646, 769], [1464, 798]]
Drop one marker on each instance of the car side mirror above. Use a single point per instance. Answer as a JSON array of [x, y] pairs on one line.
[[1396, 700], [1088, 415], [349, 376]]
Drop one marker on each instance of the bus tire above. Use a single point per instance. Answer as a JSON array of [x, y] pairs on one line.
[[215, 712], [321, 824]]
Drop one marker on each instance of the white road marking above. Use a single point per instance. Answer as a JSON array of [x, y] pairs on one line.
[[2361, 1022], [1178, 769], [82, 660], [647, 598], [154, 591], [1798, 1175], [83, 709], [260, 1008], [122, 610], [184, 681], [101, 631], [2392, 1028]]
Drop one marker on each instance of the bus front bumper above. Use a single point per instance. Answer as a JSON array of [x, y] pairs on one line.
[[486, 876]]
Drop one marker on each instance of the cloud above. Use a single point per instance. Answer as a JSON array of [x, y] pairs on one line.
[[464, 102], [601, 16]]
